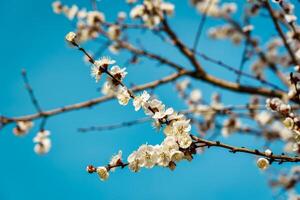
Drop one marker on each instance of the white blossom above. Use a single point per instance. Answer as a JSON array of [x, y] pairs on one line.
[[268, 152], [71, 13], [107, 88], [137, 11], [94, 17], [263, 117], [152, 11], [215, 9], [123, 96], [114, 32], [176, 155], [148, 156], [181, 127], [104, 61], [102, 173], [96, 72], [57, 7], [116, 70], [230, 125], [115, 160], [170, 143], [195, 95], [43, 142], [141, 100], [162, 113], [22, 127], [122, 15], [168, 8], [70, 37], [134, 162], [185, 141], [82, 14], [183, 85], [164, 156], [290, 18], [283, 132]]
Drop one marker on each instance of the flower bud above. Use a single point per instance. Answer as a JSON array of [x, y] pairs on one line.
[[288, 123], [70, 37], [90, 169], [268, 152], [262, 163]]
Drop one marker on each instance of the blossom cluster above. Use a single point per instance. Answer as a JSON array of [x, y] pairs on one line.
[[228, 32], [271, 129], [208, 111], [152, 11], [274, 55], [291, 121], [177, 128], [288, 180], [214, 8], [41, 140], [230, 126], [89, 22], [147, 156], [195, 102], [288, 9], [112, 84], [165, 155]]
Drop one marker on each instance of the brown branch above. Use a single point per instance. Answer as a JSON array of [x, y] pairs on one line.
[[201, 75], [131, 26], [236, 71], [237, 87], [115, 126], [92, 102], [233, 149], [182, 47], [211, 79]]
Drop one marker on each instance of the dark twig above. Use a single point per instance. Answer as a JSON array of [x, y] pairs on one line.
[[115, 126], [30, 92], [245, 51], [236, 71], [34, 100], [201, 25], [273, 157]]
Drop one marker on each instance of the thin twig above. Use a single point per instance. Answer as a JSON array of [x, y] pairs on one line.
[[30, 92], [233, 149], [201, 25]]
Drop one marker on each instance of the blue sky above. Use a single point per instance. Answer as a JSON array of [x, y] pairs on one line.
[[32, 37]]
